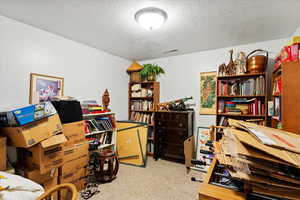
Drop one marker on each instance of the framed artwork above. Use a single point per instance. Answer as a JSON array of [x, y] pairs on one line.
[[208, 93], [43, 87]]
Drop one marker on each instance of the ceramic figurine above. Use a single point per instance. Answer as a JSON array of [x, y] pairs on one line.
[[222, 70], [240, 63]]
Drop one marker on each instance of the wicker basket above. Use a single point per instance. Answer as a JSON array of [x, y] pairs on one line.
[[135, 77]]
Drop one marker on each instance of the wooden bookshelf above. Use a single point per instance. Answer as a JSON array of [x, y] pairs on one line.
[[289, 98], [154, 99], [261, 97]]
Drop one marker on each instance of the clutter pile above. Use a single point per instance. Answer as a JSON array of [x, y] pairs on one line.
[[258, 161], [49, 152]]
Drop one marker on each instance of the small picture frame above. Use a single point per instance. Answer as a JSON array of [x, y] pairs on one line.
[[44, 87]]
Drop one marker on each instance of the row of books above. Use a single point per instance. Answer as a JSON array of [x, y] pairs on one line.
[[141, 105], [103, 138], [242, 106], [142, 117], [277, 86], [248, 87], [99, 124]]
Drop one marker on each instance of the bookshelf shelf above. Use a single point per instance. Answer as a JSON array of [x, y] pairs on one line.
[[238, 87], [241, 76], [240, 96], [97, 132], [137, 98], [97, 114], [286, 106], [140, 108], [239, 115]]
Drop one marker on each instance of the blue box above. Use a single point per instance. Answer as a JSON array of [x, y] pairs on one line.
[[24, 115]]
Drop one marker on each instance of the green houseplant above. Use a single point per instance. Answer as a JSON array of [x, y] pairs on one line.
[[151, 71]]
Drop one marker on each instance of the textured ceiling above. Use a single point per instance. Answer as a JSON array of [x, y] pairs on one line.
[[193, 25]]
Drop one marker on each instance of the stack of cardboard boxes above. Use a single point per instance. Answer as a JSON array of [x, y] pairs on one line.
[[50, 153], [76, 156]]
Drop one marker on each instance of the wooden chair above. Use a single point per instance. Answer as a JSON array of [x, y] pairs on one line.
[[71, 189]]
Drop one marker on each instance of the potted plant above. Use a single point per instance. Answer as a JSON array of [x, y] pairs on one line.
[[151, 71]]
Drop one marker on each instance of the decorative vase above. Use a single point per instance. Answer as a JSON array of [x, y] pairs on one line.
[[151, 77], [231, 65]]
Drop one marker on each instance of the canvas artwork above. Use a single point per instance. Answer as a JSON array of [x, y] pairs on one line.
[[208, 93], [43, 87]]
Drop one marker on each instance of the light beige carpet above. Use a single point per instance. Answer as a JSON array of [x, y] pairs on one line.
[[160, 180]]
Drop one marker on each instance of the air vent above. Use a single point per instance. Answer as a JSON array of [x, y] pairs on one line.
[[171, 51]]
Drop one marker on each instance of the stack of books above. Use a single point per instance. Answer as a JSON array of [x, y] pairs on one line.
[[260, 161], [247, 87], [138, 91], [91, 107]]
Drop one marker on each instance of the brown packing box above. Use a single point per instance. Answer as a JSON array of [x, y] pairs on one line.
[[2, 153], [74, 133], [74, 165], [46, 155], [73, 176], [189, 151], [80, 184], [48, 180], [76, 152], [31, 134]]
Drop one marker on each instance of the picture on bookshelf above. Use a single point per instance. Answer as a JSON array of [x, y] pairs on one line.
[[208, 93]]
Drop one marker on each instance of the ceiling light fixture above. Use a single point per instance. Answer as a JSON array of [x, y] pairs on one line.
[[151, 18]]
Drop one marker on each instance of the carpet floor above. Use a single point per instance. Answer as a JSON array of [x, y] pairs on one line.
[[159, 180]]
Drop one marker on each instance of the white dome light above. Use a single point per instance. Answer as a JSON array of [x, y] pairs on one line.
[[151, 18]]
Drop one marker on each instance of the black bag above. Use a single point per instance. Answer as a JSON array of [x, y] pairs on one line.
[[68, 111]]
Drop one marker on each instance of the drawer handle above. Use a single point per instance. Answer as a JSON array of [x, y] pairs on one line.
[[180, 125]]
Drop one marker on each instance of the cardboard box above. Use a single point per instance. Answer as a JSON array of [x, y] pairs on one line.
[[3, 153], [46, 155], [189, 151], [74, 165], [33, 133], [48, 180], [74, 133], [73, 176], [80, 184], [76, 152]]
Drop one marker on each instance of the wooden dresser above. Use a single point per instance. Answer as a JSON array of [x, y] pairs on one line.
[[171, 129]]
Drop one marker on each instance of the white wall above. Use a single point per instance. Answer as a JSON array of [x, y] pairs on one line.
[[87, 71], [297, 32], [182, 77]]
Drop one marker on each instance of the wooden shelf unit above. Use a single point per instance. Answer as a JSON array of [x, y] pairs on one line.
[[289, 98], [263, 98], [155, 87]]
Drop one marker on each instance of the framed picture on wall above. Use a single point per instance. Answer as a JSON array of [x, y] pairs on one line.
[[43, 87], [208, 93]]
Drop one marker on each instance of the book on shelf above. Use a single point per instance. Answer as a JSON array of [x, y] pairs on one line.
[[142, 117], [98, 124], [241, 106], [141, 105], [241, 87], [277, 86], [277, 108]]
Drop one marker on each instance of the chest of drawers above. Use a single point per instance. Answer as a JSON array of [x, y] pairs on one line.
[[171, 129]]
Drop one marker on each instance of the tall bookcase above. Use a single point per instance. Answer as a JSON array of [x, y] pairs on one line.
[[141, 98], [242, 97], [286, 97]]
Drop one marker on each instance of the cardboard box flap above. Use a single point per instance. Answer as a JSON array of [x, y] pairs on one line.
[[54, 140]]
